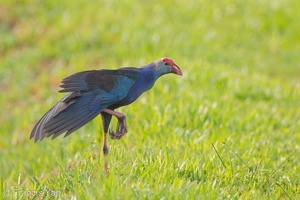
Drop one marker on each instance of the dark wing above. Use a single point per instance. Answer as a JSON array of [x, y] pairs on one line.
[[91, 92], [104, 80]]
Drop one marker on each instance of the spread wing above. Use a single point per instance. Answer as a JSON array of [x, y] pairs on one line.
[[90, 93]]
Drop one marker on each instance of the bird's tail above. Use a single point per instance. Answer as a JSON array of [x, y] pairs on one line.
[[69, 114]]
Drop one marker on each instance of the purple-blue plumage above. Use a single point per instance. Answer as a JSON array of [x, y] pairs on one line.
[[98, 92]]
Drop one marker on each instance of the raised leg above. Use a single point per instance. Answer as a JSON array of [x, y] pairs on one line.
[[106, 118], [121, 129]]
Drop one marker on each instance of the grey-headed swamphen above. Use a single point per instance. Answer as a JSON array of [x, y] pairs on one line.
[[99, 92]]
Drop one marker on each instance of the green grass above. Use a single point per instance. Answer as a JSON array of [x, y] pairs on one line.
[[228, 129]]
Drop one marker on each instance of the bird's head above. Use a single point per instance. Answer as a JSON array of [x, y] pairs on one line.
[[166, 65]]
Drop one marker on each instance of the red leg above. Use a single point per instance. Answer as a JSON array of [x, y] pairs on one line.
[[121, 129], [105, 121], [105, 152]]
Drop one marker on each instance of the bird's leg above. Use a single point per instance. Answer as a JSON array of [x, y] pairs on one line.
[[105, 152], [105, 121], [121, 129]]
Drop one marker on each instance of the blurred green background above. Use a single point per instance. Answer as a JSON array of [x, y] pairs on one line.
[[241, 66]]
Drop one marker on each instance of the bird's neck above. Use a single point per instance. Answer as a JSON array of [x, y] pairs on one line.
[[151, 70]]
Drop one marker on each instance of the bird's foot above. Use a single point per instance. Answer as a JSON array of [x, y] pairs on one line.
[[120, 131], [116, 135]]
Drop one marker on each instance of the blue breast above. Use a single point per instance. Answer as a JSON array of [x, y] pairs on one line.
[[142, 84]]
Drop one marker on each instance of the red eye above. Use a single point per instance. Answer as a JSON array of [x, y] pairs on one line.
[[166, 63]]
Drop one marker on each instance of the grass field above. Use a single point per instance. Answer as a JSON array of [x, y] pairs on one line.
[[228, 129]]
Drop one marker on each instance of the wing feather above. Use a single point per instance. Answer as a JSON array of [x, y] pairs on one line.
[[90, 93]]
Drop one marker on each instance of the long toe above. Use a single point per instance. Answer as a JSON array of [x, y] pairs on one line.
[[117, 135]]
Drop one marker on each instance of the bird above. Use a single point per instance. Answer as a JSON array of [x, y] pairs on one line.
[[100, 92]]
